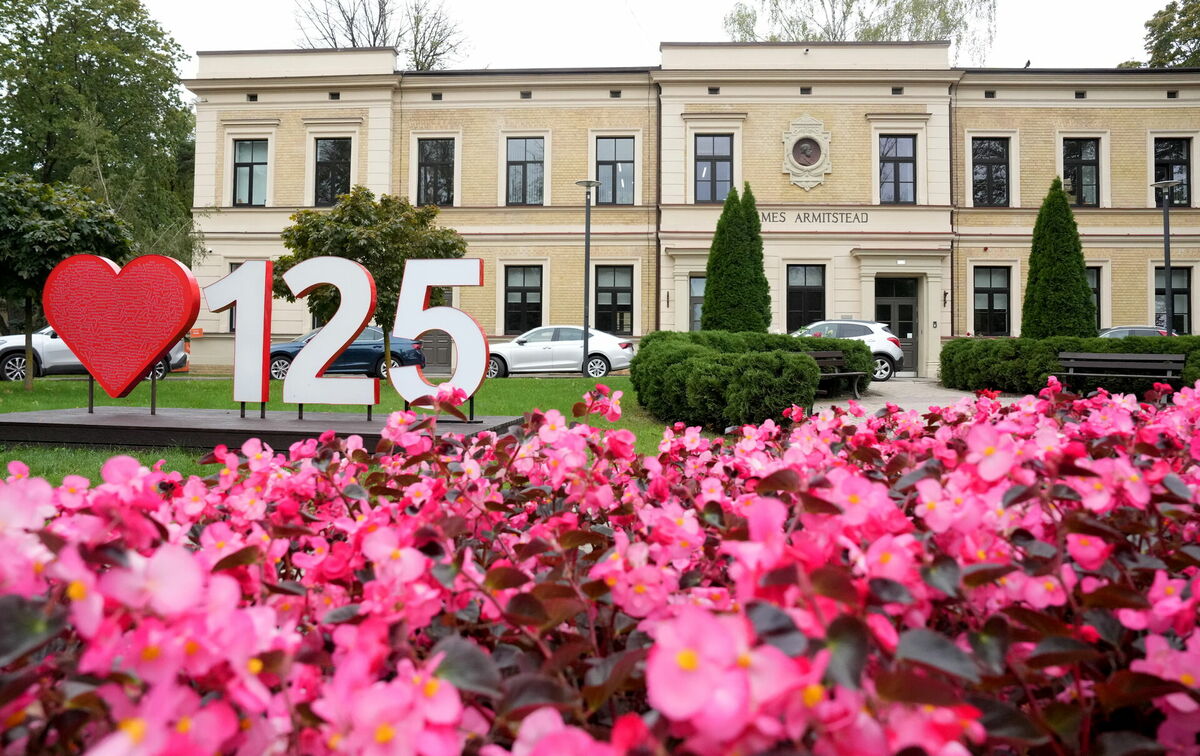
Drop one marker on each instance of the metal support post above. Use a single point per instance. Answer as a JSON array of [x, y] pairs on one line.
[[301, 417], [91, 395], [153, 393], [243, 410]]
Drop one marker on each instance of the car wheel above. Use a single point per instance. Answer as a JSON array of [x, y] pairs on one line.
[[597, 366], [13, 367], [280, 364], [160, 370], [884, 368], [496, 367], [381, 369]]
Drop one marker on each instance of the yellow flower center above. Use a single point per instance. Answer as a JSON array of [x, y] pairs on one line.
[[743, 660], [220, 545], [1085, 542], [334, 741], [679, 521], [77, 591], [1188, 679], [431, 687], [931, 505], [395, 553], [1134, 478], [384, 733], [184, 724], [1169, 590], [191, 647], [853, 499], [150, 653], [813, 695], [639, 589], [981, 554], [135, 728], [255, 665], [989, 451], [688, 660], [885, 557], [1048, 585]]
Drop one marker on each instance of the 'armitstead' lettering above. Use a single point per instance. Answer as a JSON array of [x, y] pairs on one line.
[[810, 217]]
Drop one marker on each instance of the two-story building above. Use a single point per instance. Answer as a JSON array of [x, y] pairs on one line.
[[891, 185]]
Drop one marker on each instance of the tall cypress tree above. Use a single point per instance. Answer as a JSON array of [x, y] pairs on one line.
[[758, 296], [1058, 300]]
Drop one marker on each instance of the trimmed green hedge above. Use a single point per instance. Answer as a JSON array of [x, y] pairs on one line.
[[719, 379], [1021, 366]]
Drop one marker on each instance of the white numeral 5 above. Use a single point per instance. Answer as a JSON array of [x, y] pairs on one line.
[[414, 317]]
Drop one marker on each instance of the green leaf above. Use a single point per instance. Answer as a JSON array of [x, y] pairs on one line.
[[835, 583], [1177, 487], [943, 575], [774, 627], [526, 609], [937, 651], [533, 548], [26, 625], [244, 556], [501, 578], [445, 572], [608, 675], [783, 479], [1017, 494], [1006, 723], [1126, 743], [991, 645], [888, 591], [1060, 649], [1128, 688], [1113, 596], [983, 573], [341, 615], [573, 539], [467, 666], [523, 693], [1038, 621], [286, 587], [846, 640], [356, 492]]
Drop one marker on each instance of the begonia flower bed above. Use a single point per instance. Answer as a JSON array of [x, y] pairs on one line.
[[1017, 576]]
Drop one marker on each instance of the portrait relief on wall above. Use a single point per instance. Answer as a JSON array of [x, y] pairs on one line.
[[806, 152]]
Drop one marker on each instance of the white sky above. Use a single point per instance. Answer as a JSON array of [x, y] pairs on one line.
[[563, 33]]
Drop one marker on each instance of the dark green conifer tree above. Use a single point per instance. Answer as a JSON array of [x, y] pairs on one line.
[[1058, 300], [736, 294]]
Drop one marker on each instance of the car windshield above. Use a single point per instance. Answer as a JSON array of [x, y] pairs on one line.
[[812, 329], [886, 329], [309, 335]]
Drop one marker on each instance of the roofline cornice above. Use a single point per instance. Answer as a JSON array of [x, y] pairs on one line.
[[805, 75], [342, 81]]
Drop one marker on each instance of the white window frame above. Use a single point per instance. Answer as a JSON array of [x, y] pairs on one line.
[[1105, 160], [1014, 164], [593, 134], [315, 129], [1193, 156], [1158, 262], [1105, 267], [236, 131], [502, 286], [1015, 295], [901, 123], [779, 289], [699, 124], [413, 139], [502, 164], [636, 263]]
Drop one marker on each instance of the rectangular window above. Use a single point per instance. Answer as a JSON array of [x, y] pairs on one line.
[[991, 301], [1172, 162], [250, 172], [526, 166], [695, 301], [989, 171], [1093, 279], [333, 171], [714, 166], [897, 169], [1181, 296], [522, 298], [1081, 171], [805, 295], [435, 172], [614, 170], [614, 299]]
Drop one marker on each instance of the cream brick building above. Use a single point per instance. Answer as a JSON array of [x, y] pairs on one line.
[[891, 185]]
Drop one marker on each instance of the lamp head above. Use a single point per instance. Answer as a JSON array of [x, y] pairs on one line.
[[1167, 184], [588, 183]]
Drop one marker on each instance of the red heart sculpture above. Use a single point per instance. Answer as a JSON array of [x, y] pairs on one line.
[[119, 322]]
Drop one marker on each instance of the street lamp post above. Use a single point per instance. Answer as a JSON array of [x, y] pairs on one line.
[[1168, 294], [588, 185]]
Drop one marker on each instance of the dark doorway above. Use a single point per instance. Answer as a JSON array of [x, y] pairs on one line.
[[437, 344], [896, 307]]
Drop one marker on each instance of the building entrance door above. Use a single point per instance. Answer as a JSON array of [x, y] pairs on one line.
[[896, 306]]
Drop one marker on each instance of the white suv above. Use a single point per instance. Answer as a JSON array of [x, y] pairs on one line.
[[885, 347]]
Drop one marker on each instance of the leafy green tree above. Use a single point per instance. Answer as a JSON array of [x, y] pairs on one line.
[[969, 24], [735, 280], [42, 224], [89, 95], [379, 235], [1173, 35], [759, 294], [1058, 301]]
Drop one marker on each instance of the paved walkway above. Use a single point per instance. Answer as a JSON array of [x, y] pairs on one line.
[[909, 393]]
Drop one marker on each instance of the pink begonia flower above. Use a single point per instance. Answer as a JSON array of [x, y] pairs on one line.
[[1088, 550], [991, 453], [1162, 660], [170, 581], [688, 669], [450, 394], [553, 428]]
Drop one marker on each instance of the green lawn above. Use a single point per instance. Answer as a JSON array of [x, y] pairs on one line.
[[506, 396]]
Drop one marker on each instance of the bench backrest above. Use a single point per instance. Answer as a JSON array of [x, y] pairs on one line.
[[831, 360], [1122, 362]]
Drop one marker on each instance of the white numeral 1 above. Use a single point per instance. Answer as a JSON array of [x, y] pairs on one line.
[[248, 287], [414, 317], [304, 383]]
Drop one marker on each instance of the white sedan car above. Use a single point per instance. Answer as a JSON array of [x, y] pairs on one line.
[[559, 349]]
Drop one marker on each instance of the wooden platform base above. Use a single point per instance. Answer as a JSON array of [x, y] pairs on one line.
[[202, 429]]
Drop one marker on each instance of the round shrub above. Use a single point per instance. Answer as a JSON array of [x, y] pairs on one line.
[[768, 383]]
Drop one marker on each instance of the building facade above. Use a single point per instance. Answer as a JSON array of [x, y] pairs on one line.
[[891, 185]]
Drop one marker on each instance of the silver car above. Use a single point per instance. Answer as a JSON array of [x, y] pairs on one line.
[[886, 354], [559, 349], [52, 357]]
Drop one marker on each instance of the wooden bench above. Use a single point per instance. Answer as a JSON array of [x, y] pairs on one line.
[[833, 365], [1163, 367]]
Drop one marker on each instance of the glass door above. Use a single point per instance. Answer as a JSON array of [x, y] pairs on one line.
[[896, 306]]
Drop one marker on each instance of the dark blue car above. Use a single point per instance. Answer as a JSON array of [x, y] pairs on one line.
[[364, 356]]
